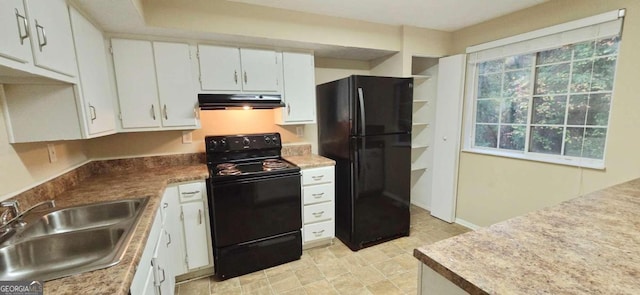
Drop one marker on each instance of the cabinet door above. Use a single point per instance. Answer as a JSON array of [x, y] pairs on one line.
[[136, 82], [299, 87], [165, 278], [219, 68], [259, 70], [51, 39], [173, 226], [14, 43], [175, 84], [93, 73], [195, 234]]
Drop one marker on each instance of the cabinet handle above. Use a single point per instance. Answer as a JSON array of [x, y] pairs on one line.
[[317, 214], [235, 77], [26, 27], [199, 216], [318, 196], [318, 233], [43, 42], [196, 114], [318, 177], [191, 193], [288, 109], [153, 112], [164, 277], [245, 77], [169, 242], [165, 205], [166, 117], [92, 109]]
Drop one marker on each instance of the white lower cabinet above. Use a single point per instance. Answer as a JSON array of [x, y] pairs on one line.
[[318, 206], [179, 241]]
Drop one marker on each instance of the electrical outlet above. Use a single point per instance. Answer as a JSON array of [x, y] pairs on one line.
[[53, 157], [186, 137], [299, 131]]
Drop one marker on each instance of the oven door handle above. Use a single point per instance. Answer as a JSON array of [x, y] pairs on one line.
[[254, 179]]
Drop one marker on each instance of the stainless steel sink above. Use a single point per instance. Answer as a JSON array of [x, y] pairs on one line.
[[81, 217], [70, 240]]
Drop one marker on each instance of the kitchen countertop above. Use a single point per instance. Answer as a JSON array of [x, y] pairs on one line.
[[115, 185], [310, 161], [587, 245]]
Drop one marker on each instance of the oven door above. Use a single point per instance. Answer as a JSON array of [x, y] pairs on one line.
[[249, 209]]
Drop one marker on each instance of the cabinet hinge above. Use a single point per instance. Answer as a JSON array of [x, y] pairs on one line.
[[198, 54], [181, 215], [186, 260], [111, 50], [120, 116]]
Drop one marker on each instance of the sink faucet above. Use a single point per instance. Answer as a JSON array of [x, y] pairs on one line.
[[13, 209]]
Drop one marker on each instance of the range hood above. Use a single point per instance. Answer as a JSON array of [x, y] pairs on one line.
[[234, 101]]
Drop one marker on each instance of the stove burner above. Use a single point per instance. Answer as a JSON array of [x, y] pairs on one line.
[[273, 164], [227, 169]]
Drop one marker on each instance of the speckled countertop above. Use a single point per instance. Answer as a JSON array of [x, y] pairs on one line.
[[587, 245], [114, 180], [310, 161]]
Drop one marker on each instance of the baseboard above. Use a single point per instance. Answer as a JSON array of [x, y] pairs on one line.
[[421, 205], [467, 224]]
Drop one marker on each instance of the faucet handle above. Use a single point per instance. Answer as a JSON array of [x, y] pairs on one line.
[[13, 208]]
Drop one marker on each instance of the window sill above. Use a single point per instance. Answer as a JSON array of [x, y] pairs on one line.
[[575, 162]]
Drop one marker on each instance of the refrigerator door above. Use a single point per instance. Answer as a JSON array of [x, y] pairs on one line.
[[381, 190], [381, 105]]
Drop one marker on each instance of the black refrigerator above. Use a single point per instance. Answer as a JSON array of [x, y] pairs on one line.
[[364, 124]]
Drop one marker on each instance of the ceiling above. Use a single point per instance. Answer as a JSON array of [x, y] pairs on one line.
[[122, 17], [444, 15]]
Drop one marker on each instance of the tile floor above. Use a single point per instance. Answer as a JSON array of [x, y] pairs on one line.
[[388, 268]]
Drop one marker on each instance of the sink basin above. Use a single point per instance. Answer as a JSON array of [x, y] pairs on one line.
[[81, 217], [69, 241]]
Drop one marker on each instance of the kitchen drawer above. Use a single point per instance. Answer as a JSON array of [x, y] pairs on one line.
[[318, 212], [317, 175], [191, 191], [318, 193], [317, 231]]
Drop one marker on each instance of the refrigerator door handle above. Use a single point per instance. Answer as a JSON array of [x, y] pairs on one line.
[[362, 115]]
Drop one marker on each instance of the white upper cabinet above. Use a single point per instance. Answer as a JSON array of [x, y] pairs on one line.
[[96, 92], [14, 29], [156, 87], [224, 68], [178, 98], [299, 89], [51, 39], [136, 82]]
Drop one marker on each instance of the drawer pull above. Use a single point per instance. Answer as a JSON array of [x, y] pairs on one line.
[[191, 193], [318, 233], [318, 196], [317, 214], [317, 177]]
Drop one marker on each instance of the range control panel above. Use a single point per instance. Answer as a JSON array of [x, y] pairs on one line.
[[237, 143]]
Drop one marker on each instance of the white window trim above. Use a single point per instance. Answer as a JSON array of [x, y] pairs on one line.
[[471, 88]]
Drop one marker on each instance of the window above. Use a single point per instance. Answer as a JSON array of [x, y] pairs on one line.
[[550, 105]]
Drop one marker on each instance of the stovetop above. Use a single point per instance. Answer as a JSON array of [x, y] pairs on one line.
[[239, 156]]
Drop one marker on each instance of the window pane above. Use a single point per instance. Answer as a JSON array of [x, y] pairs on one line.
[[552, 79], [594, 139], [490, 66], [607, 46], [583, 50], [546, 140], [515, 110], [554, 55], [516, 84], [518, 62], [487, 111], [549, 109], [603, 71], [599, 105], [573, 141], [512, 137], [577, 109], [486, 135], [489, 86], [581, 76]]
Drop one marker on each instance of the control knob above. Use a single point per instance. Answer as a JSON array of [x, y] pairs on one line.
[[246, 141], [214, 144], [267, 139]]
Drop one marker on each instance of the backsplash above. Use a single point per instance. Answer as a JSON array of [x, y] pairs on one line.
[[55, 187], [296, 149]]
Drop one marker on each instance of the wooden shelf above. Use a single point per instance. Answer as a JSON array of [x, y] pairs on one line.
[[421, 101], [416, 124], [420, 146], [418, 168]]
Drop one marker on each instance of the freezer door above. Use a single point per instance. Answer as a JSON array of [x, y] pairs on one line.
[[381, 105], [381, 193]]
